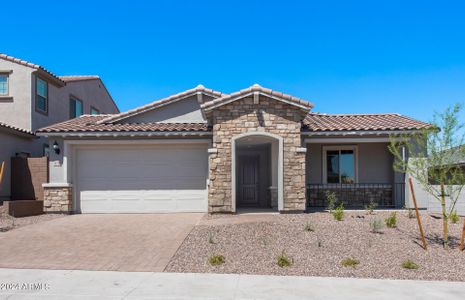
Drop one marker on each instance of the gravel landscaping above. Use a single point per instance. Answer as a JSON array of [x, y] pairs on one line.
[[8, 223], [315, 245]]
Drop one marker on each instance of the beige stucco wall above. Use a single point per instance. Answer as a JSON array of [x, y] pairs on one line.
[[90, 92], [17, 111], [242, 116], [183, 111], [374, 163]]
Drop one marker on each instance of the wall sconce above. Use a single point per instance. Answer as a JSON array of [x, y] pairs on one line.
[[56, 148]]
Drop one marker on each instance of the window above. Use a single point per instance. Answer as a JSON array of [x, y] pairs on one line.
[[75, 107], [4, 85], [339, 164], [94, 111], [41, 96]]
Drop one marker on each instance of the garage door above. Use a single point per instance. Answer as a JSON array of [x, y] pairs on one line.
[[142, 179]]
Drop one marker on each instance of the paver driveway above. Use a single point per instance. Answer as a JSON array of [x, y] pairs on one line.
[[127, 242]]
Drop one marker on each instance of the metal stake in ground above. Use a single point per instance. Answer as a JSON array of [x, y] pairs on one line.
[[462, 240], [417, 213]]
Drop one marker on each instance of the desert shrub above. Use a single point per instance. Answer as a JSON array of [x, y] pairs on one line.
[[408, 264], [454, 217], [216, 260], [331, 200], [376, 225], [371, 206], [283, 260], [391, 221], [411, 214], [350, 262], [338, 213], [211, 239], [309, 227]]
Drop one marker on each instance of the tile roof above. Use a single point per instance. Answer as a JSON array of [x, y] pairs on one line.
[[11, 127], [89, 123], [78, 77], [31, 65], [256, 88], [360, 122], [161, 102]]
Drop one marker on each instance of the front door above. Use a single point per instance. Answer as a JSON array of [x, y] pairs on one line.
[[247, 189]]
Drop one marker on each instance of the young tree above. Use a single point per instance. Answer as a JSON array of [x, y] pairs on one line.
[[433, 155]]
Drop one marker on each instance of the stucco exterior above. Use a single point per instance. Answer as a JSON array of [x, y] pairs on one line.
[[18, 108], [183, 111], [374, 162]]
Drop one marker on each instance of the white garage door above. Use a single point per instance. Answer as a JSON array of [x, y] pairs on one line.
[[142, 179]]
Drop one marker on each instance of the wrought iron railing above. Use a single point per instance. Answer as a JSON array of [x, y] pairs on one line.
[[358, 195]]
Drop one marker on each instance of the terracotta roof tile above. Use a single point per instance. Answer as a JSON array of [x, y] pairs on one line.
[[29, 64], [78, 77], [360, 122], [89, 123], [4, 125], [255, 88]]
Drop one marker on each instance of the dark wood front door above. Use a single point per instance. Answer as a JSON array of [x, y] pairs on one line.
[[247, 189]]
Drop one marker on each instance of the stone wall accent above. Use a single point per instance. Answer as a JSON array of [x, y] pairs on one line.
[[58, 199], [242, 116]]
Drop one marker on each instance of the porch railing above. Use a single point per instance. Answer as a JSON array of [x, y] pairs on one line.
[[358, 195]]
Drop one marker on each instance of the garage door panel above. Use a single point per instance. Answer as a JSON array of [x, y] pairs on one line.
[[138, 180]]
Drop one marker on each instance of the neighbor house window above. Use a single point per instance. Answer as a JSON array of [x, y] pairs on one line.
[[340, 164], [94, 111], [41, 96], [4, 85], [75, 107]]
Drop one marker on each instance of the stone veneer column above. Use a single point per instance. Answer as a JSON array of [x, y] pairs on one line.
[[58, 199], [244, 116]]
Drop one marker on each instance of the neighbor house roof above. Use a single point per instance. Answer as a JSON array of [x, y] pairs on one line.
[[41, 69], [16, 129], [90, 123], [361, 122], [303, 104], [78, 77], [162, 102]]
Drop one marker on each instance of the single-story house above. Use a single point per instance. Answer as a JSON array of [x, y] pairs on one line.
[[205, 151]]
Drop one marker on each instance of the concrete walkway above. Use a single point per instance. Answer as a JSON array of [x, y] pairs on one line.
[[146, 285]]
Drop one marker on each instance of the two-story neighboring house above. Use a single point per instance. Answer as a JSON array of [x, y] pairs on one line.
[[32, 97]]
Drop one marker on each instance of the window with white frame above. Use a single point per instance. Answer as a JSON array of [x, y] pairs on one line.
[[340, 164], [4, 85]]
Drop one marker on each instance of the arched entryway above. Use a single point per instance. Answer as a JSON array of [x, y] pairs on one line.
[[257, 171]]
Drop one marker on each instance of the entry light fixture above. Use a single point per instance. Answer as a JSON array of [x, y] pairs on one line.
[[56, 148]]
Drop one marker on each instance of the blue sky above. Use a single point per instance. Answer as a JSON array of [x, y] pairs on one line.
[[344, 56]]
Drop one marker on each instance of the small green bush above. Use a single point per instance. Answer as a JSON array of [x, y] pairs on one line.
[[391, 221], [283, 260], [309, 227], [408, 264], [216, 260], [211, 240], [376, 225], [331, 200], [338, 213], [370, 207], [454, 217], [350, 262]]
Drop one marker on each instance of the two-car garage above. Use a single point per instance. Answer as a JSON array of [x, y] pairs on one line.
[[140, 178]]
